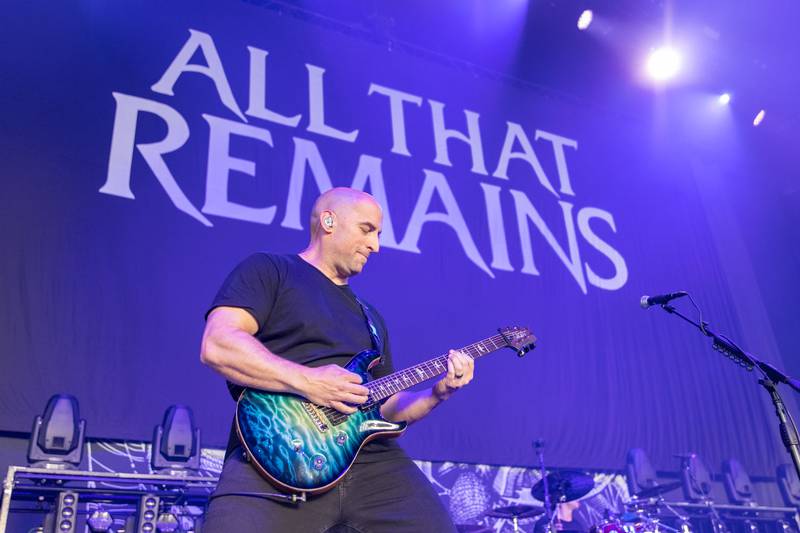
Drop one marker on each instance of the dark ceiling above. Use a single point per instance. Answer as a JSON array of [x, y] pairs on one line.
[[748, 48]]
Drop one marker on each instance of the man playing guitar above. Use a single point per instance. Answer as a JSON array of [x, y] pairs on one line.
[[288, 324]]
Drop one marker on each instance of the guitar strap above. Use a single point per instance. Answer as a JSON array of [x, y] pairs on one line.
[[377, 342]]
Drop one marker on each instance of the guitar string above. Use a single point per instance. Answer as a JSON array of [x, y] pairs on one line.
[[439, 363], [476, 352], [335, 416]]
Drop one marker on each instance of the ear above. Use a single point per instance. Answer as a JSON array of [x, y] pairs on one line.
[[327, 221]]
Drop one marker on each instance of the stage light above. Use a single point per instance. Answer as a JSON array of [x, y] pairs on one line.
[[585, 19], [57, 435], [759, 118], [147, 513], [176, 443], [100, 521], [663, 63], [724, 98], [167, 523], [63, 520]]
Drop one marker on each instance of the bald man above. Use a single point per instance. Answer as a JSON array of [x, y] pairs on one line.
[[289, 323]]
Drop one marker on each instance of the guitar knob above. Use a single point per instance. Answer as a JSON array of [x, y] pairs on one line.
[[297, 445], [341, 438], [318, 461]]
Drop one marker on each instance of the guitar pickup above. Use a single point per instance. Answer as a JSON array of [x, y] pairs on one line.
[[317, 417]]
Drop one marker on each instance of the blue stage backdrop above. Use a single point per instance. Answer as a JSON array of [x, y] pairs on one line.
[[148, 148]]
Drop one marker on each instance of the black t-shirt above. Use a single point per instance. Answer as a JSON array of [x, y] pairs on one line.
[[304, 317]]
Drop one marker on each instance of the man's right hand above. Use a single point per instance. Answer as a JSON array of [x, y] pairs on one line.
[[333, 386]]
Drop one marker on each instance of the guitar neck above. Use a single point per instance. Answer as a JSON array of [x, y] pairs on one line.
[[393, 383]]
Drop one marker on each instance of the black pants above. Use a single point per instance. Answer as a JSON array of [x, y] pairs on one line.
[[383, 496]]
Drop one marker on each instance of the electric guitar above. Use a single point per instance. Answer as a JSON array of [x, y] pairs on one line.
[[303, 447]]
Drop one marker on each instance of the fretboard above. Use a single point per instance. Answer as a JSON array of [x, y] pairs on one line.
[[393, 383]]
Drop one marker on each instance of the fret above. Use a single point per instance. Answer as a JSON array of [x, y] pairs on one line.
[[393, 383], [426, 370]]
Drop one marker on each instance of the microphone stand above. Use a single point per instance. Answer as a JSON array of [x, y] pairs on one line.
[[538, 445], [772, 378]]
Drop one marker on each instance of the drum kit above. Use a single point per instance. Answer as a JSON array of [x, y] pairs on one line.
[[641, 515], [515, 513], [560, 487]]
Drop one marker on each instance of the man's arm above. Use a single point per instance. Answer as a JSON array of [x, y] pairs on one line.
[[230, 349], [412, 406]]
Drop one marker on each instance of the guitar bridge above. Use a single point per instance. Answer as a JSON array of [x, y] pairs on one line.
[[316, 416]]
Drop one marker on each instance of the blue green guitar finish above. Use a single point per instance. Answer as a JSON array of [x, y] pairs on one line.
[[293, 442]]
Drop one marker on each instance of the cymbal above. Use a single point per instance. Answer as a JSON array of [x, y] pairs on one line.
[[565, 486], [518, 511], [472, 528], [657, 490]]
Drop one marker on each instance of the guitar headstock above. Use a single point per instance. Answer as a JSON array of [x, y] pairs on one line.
[[520, 339]]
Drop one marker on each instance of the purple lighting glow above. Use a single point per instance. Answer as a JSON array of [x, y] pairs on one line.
[[663, 63]]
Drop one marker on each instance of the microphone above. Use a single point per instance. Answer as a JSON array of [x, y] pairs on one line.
[[660, 299]]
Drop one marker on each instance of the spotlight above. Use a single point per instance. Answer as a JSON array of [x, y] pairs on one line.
[[724, 98], [57, 435], [759, 118], [663, 63], [585, 19], [176, 443]]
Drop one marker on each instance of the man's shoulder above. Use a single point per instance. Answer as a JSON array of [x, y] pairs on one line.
[[266, 259], [272, 256], [262, 267]]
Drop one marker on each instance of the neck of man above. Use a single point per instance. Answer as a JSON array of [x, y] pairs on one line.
[[314, 256]]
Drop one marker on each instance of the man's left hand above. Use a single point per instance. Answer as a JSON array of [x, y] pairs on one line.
[[460, 368]]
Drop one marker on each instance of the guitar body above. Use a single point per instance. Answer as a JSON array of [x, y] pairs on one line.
[[302, 447]]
